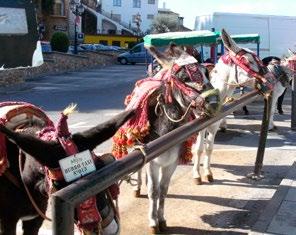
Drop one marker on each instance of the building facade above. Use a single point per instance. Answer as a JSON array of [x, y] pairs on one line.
[[133, 14], [52, 17]]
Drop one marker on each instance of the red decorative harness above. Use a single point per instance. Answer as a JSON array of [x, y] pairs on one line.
[[17, 115], [87, 212], [134, 130], [240, 61]]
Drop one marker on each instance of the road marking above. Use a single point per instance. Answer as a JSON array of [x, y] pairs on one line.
[[254, 148]]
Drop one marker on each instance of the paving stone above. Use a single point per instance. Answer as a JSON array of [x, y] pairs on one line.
[[284, 222]]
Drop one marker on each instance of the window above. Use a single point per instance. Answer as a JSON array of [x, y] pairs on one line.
[[150, 17], [59, 8], [103, 42], [117, 3], [151, 1], [136, 49], [116, 43], [137, 3], [116, 17]]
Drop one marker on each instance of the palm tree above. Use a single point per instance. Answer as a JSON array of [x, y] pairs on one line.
[[163, 24]]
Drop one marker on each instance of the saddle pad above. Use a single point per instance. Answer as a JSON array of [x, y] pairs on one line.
[[17, 115]]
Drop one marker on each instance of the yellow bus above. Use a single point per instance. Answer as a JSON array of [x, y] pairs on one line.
[[111, 40]]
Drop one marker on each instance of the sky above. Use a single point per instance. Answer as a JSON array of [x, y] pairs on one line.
[[189, 9]]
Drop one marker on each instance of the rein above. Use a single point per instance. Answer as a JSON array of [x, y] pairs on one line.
[[237, 61], [28, 191], [167, 115], [238, 84]]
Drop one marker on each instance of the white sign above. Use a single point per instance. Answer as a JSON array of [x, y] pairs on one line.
[[13, 21], [76, 166]]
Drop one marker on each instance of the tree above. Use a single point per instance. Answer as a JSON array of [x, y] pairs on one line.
[[59, 42], [163, 24]]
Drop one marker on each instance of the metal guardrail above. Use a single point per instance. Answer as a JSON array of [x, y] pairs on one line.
[[65, 200]]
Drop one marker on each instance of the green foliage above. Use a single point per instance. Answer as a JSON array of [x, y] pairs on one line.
[[59, 42], [163, 24]]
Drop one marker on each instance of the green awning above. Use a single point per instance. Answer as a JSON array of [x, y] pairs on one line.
[[243, 38], [202, 37]]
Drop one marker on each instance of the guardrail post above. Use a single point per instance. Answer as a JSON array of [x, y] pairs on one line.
[[293, 104], [256, 175], [63, 217]]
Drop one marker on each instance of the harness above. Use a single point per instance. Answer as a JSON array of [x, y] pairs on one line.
[[18, 116], [88, 215], [239, 60]]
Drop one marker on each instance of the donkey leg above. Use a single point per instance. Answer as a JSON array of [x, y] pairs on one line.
[[153, 195], [137, 187], [31, 227], [223, 125], [165, 178], [197, 152], [212, 130], [8, 225], [275, 96]]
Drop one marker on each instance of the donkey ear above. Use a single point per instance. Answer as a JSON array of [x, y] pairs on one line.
[[229, 43], [91, 138], [47, 153], [161, 58]]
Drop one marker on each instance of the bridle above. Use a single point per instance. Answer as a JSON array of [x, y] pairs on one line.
[[239, 60], [196, 93]]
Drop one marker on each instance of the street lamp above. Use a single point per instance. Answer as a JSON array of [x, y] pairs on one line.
[[77, 9], [138, 21]]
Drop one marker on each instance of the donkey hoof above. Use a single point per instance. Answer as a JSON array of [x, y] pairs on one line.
[[209, 178], [154, 230], [162, 226], [137, 193], [274, 128], [197, 181]]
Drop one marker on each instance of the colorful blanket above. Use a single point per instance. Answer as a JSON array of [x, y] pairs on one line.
[[138, 127]]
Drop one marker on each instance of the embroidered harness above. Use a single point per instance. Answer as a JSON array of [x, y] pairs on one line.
[[240, 61], [171, 79], [20, 115]]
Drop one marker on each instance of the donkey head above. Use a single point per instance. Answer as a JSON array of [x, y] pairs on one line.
[[186, 69], [249, 64]]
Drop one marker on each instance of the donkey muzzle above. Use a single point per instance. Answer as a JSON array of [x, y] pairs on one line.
[[212, 101]]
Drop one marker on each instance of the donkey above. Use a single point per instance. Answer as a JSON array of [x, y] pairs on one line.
[[32, 159], [284, 74], [240, 67], [176, 94]]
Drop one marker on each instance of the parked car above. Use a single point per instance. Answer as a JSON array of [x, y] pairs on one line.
[[45, 47], [101, 47], [138, 54], [79, 49], [88, 47]]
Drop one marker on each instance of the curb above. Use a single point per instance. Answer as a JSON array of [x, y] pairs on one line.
[[268, 220]]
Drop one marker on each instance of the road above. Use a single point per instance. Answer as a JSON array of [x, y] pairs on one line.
[[229, 205]]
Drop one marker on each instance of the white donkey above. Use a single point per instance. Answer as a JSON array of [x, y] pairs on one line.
[[240, 67]]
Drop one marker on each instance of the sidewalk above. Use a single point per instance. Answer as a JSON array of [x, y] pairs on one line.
[[279, 216]]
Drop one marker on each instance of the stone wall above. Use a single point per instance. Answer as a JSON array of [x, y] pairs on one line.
[[55, 63]]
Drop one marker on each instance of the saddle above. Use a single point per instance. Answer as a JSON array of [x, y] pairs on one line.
[[16, 116]]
